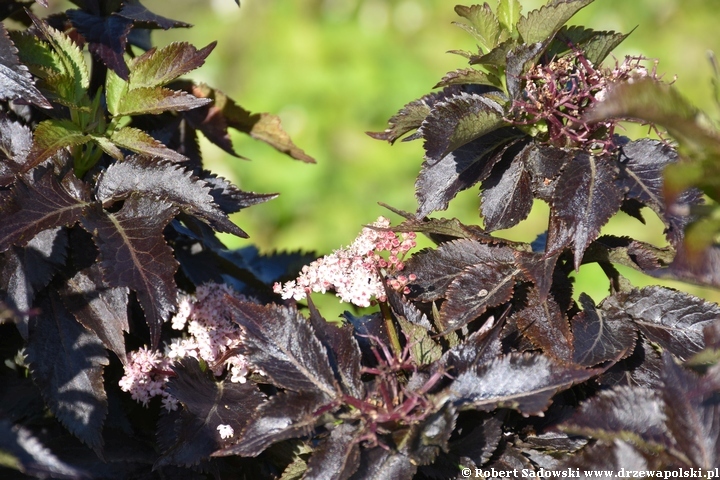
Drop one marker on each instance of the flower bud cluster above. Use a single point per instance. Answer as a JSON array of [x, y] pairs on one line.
[[210, 335], [557, 95], [356, 272]]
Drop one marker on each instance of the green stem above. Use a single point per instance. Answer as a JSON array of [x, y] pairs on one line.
[[391, 329]]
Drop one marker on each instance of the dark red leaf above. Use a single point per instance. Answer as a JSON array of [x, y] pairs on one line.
[[539, 269], [426, 439], [133, 254], [66, 362], [206, 405], [601, 335], [642, 369], [585, 198], [15, 146], [384, 463], [229, 198], [283, 344], [144, 18]]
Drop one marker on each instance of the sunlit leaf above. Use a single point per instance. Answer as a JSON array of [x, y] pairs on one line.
[[154, 100], [337, 456], [546, 326], [506, 195], [463, 77], [138, 141], [133, 254], [484, 25], [107, 36], [508, 12], [157, 67], [51, 136], [15, 79], [601, 335], [544, 22]]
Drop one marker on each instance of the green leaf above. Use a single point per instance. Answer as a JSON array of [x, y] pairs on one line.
[[157, 100], [72, 61], [115, 89], [544, 22], [594, 45], [423, 349], [469, 76], [50, 137], [156, 67], [138, 141], [484, 25], [508, 12]]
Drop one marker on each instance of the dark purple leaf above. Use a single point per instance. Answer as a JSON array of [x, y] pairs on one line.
[[481, 441], [643, 368], [628, 252], [381, 463], [164, 181], [66, 362], [26, 270], [539, 269], [441, 230], [519, 60], [411, 116], [546, 326], [406, 310], [144, 18], [478, 348], [39, 205], [337, 456], [477, 288], [506, 194], [15, 79], [107, 37], [436, 269], [626, 413], [607, 334], [522, 382], [15, 146], [585, 198], [642, 164], [693, 414], [702, 268], [282, 343], [673, 319], [133, 254], [457, 121], [206, 405], [285, 415], [594, 45], [544, 163], [23, 451], [342, 349], [100, 309], [368, 329], [426, 439], [229, 198], [612, 458]]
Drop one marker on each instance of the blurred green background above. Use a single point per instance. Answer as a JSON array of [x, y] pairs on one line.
[[334, 69]]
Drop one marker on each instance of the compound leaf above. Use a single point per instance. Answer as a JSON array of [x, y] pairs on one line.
[[508, 12], [107, 37], [165, 181], [522, 382], [15, 79], [51, 136], [66, 362], [507, 196], [133, 254], [546, 326], [337, 456], [281, 343], [484, 25], [585, 198]]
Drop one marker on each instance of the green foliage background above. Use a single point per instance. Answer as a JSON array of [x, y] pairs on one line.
[[333, 69]]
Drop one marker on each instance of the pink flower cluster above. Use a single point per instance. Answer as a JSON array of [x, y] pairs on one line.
[[211, 333], [356, 272]]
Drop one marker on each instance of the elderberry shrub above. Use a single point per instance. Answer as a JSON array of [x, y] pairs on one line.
[[476, 355]]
